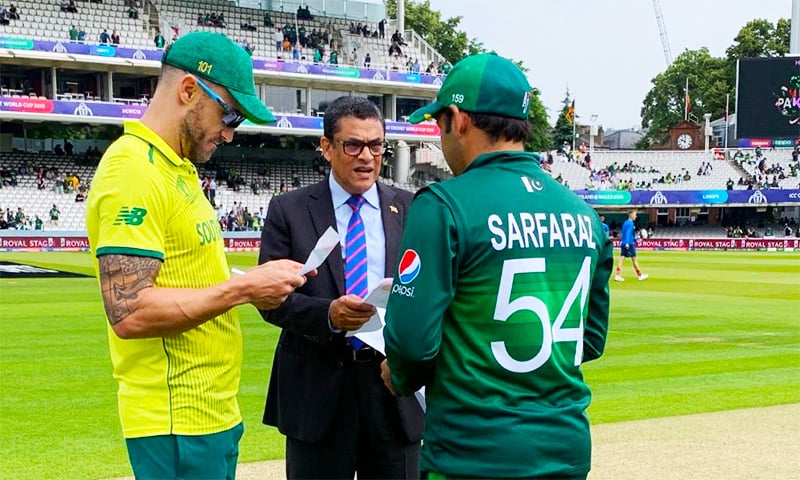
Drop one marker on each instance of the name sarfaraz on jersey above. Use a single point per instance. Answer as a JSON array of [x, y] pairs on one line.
[[540, 230]]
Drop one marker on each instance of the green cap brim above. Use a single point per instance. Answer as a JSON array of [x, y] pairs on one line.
[[425, 113], [252, 108]]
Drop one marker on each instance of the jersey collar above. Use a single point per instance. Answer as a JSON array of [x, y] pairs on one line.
[[506, 156], [141, 131]]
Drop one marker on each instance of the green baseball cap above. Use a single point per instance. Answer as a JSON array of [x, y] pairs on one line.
[[482, 83], [218, 59]]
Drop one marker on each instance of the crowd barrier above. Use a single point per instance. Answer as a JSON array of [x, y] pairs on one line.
[[59, 241]]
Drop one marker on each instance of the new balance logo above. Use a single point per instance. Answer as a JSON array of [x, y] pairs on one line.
[[130, 216]]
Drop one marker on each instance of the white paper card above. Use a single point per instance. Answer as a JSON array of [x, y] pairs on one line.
[[377, 297], [325, 245]]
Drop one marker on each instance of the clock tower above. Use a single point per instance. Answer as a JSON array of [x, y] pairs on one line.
[[685, 136]]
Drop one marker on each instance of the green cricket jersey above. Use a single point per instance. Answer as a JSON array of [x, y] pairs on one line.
[[501, 294]]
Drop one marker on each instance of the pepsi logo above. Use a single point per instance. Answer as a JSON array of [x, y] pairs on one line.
[[410, 266]]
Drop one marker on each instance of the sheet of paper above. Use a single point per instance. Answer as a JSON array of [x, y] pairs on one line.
[[377, 297], [380, 294], [325, 245], [371, 332]]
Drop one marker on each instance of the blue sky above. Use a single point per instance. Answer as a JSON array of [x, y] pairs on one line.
[[606, 52]]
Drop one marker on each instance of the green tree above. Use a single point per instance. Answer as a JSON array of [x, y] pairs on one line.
[[664, 104], [541, 138], [710, 79], [760, 38], [563, 131], [441, 34], [454, 45]]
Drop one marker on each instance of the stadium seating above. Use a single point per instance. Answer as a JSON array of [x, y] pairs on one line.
[[44, 20], [781, 158], [676, 163]]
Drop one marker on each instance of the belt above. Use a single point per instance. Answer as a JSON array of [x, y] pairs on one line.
[[364, 354]]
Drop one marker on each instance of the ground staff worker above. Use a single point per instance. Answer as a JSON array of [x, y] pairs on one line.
[[501, 293], [176, 345]]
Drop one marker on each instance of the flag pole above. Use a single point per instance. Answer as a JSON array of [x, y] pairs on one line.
[[725, 144], [686, 101], [574, 128]]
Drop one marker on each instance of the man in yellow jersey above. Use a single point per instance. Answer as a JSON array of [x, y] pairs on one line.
[[176, 343]]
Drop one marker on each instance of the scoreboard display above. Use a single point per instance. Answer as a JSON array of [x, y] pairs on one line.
[[768, 99]]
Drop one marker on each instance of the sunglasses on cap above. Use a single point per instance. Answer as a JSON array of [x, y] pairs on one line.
[[232, 118]]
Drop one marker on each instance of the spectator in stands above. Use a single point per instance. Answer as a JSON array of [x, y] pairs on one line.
[[54, 214], [318, 55], [394, 50], [133, 12], [268, 20], [69, 6], [287, 46], [220, 20], [249, 26], [367, 61], [334, 58], [397, 37], [194, 322], [37, 223], [159, 40], [382, 28], [12, 12], [73, 34], [68, 147], [304, 13], [81, 34], [729, 185], [296, 52], [787, 230], [104, 37], [278, 38], [80, 196], [58, 150]]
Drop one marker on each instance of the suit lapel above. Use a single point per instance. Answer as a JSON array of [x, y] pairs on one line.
[[320, 208], [392, 214]]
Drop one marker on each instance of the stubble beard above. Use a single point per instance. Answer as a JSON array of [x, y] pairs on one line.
[[192, 131]]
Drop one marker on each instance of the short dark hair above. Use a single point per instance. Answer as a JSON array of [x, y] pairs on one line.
[[358, 107], [496, 126]]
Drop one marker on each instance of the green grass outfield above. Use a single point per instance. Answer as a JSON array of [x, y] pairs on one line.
[[708, 331]]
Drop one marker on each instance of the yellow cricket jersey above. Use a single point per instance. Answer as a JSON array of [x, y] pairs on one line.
[[147, 201]]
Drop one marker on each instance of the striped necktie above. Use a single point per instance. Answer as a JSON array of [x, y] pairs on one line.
[[355, 262]]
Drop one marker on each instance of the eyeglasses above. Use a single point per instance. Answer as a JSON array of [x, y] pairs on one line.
[[232, 118], [355, 147]]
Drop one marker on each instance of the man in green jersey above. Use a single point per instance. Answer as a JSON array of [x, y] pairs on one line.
[[500, 295], [174, 338]]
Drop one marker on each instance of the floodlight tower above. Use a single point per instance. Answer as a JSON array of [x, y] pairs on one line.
[[662, 29]]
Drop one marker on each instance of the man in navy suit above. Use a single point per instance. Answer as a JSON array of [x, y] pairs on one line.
[[326, 394]]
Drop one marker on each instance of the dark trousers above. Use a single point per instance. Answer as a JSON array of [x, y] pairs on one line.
[[366, 435]]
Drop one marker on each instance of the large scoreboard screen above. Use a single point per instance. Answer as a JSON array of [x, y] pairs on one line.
[[768, 98]]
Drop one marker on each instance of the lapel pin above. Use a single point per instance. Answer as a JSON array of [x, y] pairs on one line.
[[393, 209]]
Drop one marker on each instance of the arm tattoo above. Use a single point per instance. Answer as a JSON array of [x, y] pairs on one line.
[[122, 277]]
